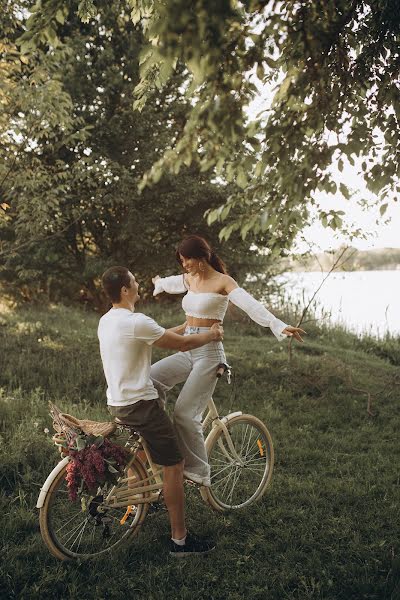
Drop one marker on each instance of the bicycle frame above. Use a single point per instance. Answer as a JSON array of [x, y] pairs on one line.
[[129, 490], [216, 422]]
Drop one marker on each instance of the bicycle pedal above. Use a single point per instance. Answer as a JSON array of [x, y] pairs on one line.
[[130, 512], [156, 508]]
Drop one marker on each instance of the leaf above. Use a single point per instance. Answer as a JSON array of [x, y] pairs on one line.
[[26, 46], [270, 62], [383, 209], [282, 91], [80, 442], [197, 69], [241, 178], [344, 190], [145, 53], [60, 17], [225, 232], [245, 229], [264, 219], [135, 16], [212, 216], [225, 212], [260, 71], [260, 168], [285, 85], [338, 222], [220, 164]]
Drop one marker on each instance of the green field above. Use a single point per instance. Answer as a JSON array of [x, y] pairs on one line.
[[329, 524]]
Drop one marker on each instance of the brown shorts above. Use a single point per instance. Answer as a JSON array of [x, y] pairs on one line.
[[152, 422]]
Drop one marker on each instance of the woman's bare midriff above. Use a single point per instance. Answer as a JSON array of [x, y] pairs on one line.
[[195, 322]]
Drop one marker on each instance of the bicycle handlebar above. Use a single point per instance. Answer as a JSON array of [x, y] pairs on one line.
[[222, 369]]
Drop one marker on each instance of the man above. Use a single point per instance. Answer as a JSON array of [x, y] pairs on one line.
[[126, 340]]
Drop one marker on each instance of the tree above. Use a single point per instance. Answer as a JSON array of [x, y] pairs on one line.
[[336, 68], [71, 200]]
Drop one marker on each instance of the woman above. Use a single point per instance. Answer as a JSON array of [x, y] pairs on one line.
[[209, 289]]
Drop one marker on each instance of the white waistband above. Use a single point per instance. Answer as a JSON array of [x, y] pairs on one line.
[[194, 329]]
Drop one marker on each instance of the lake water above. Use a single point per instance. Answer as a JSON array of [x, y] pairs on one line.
[[362, 301]]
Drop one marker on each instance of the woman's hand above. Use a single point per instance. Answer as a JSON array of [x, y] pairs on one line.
[[294, 332]]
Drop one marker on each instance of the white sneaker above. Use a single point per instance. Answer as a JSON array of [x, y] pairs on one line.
[[205, 481]]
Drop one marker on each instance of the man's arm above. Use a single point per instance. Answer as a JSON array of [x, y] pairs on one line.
[[173, 341]]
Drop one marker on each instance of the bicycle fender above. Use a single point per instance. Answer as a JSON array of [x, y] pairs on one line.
[[231, 416], [46, 486]]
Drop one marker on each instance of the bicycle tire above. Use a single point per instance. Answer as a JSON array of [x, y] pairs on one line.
[[57, 501], [235, 485]]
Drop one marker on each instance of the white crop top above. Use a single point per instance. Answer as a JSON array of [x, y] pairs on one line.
[[205, 305], [210, 305]]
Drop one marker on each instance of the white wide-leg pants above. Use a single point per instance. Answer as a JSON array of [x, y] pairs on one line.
[[198, 368]]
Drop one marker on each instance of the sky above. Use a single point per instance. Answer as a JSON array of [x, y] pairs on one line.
[[379, 232]]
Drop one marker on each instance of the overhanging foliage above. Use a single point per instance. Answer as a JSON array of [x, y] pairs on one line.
[[336, 66]]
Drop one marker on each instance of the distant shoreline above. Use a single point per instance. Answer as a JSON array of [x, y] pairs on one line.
[[384, 259], [302, 270]]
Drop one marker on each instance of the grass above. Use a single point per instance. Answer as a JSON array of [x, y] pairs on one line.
[[327, 528]]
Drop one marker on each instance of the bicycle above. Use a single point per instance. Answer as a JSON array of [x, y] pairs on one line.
[[241, 458]]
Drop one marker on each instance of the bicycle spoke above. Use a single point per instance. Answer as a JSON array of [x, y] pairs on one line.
[[217, 473], [236, 477], [65, 524], [222, 480], [93, 534], [75, 531], [256, 462], [80, 538]]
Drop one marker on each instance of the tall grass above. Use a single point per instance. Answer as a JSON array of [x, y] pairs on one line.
[[327, 528]]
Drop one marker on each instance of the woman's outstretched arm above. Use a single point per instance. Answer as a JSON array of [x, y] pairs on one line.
[[175, 284], [258, 313]]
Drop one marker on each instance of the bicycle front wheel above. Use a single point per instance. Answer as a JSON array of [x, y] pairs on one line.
[[88, 527], [241, 463]]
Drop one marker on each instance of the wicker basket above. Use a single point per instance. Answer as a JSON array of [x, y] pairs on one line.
[[68, 427], [89, 427]]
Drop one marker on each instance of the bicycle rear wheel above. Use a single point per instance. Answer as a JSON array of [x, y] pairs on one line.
[[241, 477], [88, 527]]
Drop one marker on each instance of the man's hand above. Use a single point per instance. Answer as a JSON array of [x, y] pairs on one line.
[[217, 331], [179, 329], [294, 332]]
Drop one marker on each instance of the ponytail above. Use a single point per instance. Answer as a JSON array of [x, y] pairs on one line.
[[217, 263]]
